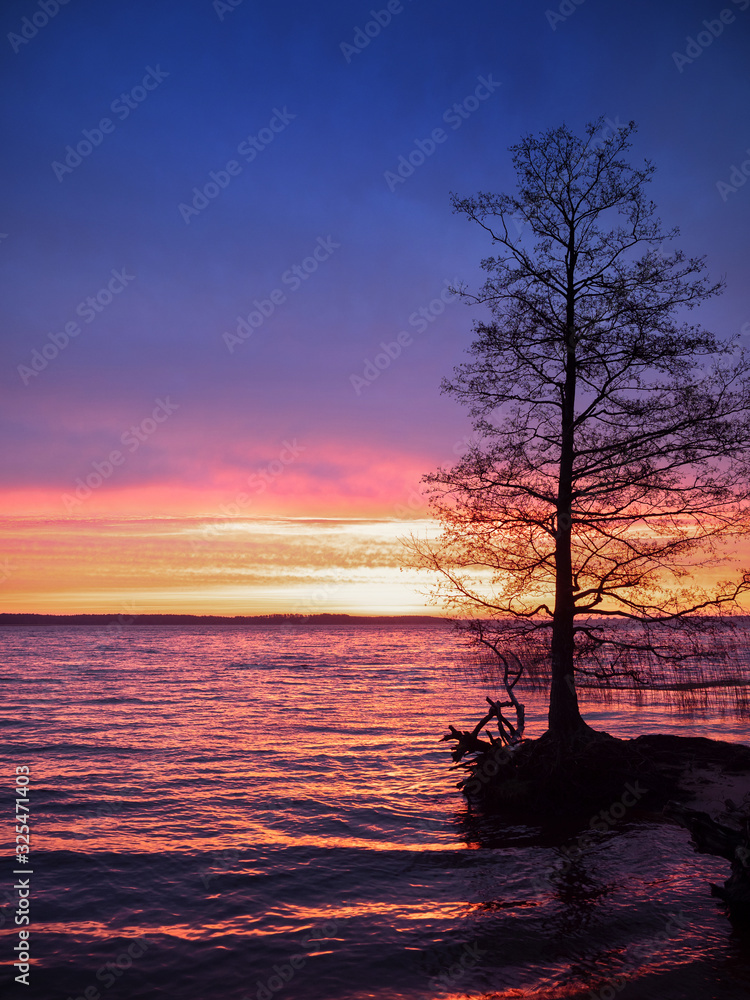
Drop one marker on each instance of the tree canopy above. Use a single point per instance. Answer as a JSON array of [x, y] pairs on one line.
[[612, 434]]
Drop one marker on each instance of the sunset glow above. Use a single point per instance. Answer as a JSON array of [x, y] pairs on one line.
[[375, 424], [192, 565], [220, 395]]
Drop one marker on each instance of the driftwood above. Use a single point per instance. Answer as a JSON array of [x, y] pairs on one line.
[[509, 735], [469, 742]]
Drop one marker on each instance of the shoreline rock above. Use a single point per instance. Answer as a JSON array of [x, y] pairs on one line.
[[698, 783], [593, 765]]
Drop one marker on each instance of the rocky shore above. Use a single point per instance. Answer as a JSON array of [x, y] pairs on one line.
[[701, 784]]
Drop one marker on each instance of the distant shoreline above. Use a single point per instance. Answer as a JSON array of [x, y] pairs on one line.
[[176, 619]]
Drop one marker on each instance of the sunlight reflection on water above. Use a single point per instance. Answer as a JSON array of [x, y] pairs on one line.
[[238, 797]]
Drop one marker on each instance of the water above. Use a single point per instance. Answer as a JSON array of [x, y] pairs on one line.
[[229, 813]]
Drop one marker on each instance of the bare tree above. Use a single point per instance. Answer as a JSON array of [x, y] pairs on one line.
[[613, 435]]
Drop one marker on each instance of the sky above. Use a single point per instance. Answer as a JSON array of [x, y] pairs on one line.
[[226, 244]]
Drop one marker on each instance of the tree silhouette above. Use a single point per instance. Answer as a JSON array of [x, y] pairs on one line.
[[613, 436]]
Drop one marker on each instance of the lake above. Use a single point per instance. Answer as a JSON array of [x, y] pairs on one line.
[[232, 812]]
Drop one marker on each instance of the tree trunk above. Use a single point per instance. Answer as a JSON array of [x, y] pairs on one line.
[[564, 717]]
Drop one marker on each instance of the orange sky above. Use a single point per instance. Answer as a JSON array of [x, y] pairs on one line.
[[207, 565], [243, 558], [289, 541]]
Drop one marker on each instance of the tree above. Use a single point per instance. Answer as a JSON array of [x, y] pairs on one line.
[[613, 435]]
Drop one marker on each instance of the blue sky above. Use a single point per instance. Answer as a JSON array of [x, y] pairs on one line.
[[201, 79]]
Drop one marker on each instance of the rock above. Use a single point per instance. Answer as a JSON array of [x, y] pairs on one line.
[[730, 842], [557, 782]]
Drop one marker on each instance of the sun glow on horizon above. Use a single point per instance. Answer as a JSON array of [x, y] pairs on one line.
[[223, 566]]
